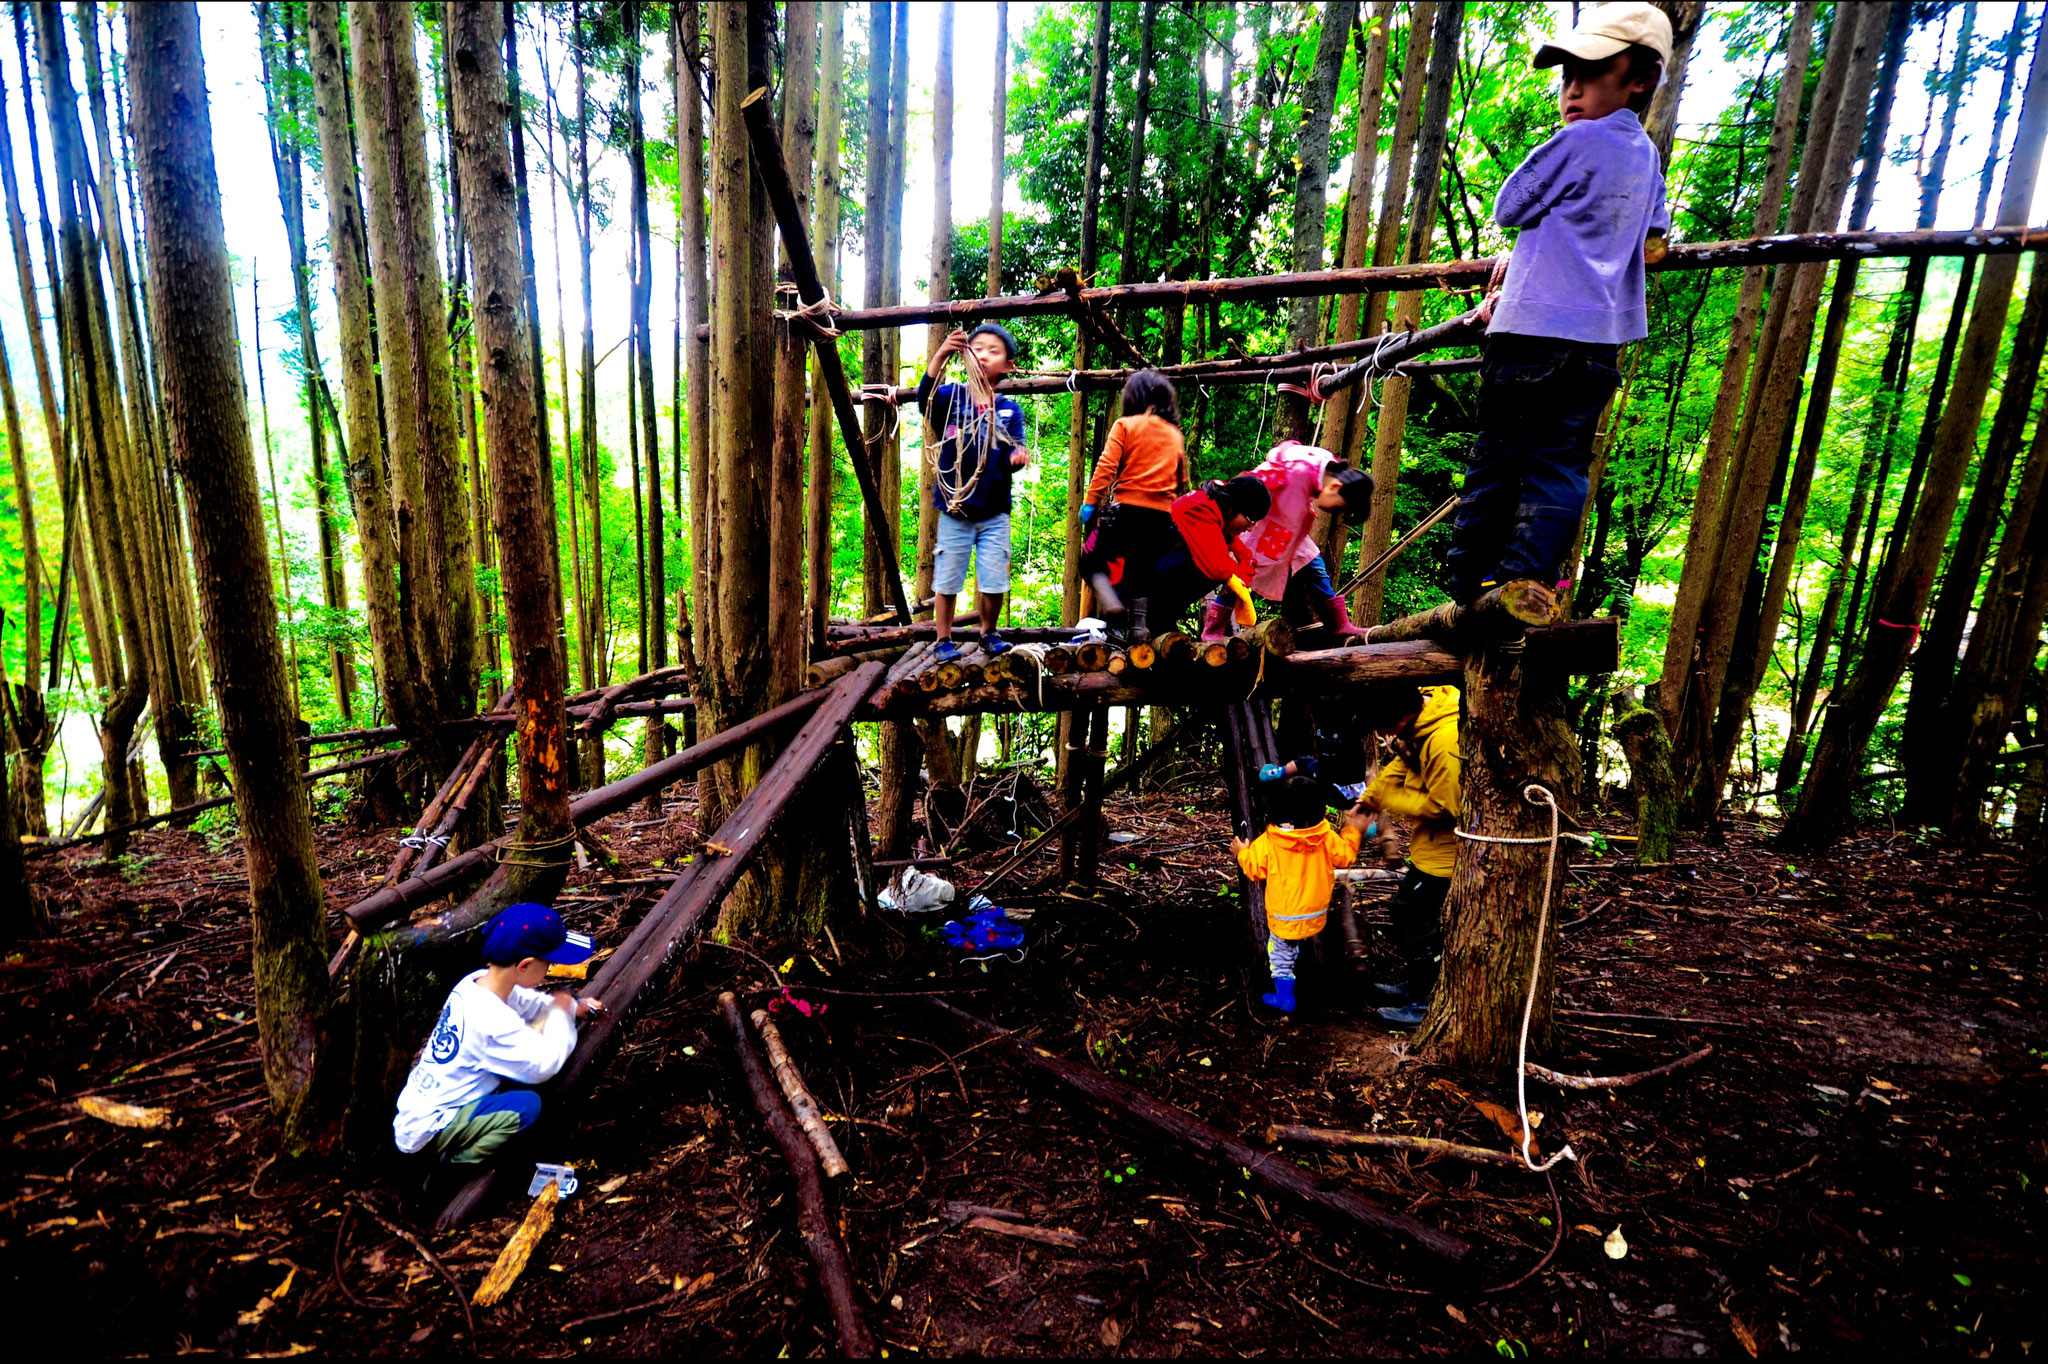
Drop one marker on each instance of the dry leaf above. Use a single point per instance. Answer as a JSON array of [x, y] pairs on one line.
[[612, 1185], [124, 1115], [718, 848], [1455, 1314], [1743, 1334], [1616, 1245], [1111, 1333]]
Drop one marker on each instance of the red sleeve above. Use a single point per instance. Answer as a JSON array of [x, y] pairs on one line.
[[1200, 523]]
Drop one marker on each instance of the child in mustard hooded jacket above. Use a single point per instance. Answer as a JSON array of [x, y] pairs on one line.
[[1421, 786], [1297, 858]]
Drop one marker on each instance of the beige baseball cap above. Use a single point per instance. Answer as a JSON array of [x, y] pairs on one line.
[[1611, 29]]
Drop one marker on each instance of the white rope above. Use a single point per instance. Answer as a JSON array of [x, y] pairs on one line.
[[423, 840], [1036, 653], [1535, 793]]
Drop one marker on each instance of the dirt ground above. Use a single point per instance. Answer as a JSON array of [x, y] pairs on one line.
[[1858, 1166]]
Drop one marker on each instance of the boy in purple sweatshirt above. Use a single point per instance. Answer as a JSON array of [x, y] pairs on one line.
[[1587, 204]]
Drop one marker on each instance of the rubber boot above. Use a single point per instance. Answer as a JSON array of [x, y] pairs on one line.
[[1107, 602], [1135, 627], [1282, 997], [1215, 620], [1336, 618]]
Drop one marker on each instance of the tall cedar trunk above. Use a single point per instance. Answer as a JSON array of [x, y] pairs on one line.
[[1825, 806], [1706, 527], [2004, 643], [1868, 134], [1945, 778], [209, 431], [27, 731], [593, 613], [1091, 210], [369, 479], [1130, 261], [1348, 424], [1661, 122], [579, 596], [786, 616], [876, 414], [1512, 733], [901, 748], [654, 744], [518, 491], [21, 910], [1931, 771], [999, 119], [825, 250], [1755, 471], [288, 162], [93, 397], [1311, 198], [1369, 600], [417, 367], [941, 285], [167, 616]]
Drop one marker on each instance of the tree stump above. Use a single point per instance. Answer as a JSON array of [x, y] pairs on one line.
[[1512, 733], [1640, 733]]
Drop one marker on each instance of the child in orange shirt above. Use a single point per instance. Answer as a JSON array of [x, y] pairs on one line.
[[1297, 858], [1144, 466]]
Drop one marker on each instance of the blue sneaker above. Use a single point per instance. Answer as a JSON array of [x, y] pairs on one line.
[[947, 651], [994, 643], [1282, 997], [1406, 1015]]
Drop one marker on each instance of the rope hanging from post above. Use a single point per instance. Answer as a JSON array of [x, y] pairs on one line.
[[1536, 794]]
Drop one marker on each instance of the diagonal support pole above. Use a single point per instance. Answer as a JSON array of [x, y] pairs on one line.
[[796, 242]]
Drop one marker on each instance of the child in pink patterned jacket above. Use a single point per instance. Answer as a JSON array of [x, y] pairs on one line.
[[1289, 566]]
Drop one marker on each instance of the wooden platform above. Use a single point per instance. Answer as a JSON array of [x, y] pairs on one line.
[[1176, 670]]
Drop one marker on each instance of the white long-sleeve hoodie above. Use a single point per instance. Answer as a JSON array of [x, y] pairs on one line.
[[480, 1041]]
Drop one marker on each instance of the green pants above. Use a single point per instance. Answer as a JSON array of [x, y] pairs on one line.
[[479, 1130]]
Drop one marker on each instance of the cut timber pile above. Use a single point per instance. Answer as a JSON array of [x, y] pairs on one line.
[[681, 911]]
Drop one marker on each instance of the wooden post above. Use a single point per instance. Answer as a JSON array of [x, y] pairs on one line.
[[1513, 733]]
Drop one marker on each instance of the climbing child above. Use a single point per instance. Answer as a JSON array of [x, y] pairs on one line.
[[982, 445], [1420, 785], [497, 1026], [1297, 858], [1289, 568], [1128, 511], [1202, 550], [1589, 204]]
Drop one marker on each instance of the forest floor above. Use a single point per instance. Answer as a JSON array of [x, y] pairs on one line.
[[1860, 1164]]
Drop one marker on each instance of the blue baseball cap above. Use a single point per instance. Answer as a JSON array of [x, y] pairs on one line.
[[531, 930]]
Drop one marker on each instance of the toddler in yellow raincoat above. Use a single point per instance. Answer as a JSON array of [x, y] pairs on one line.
[[1297, 858]]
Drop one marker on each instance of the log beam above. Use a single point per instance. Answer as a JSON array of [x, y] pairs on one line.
[[1789, 248], [1187, 1131]]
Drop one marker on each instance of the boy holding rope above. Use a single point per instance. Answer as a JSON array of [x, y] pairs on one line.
[[982, 445]]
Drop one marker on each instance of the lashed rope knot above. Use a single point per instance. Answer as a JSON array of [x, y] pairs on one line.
[[817, 314]]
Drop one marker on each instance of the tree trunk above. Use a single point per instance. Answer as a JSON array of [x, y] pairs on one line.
[[27, 730], [1834, 131], [941, 287], [210, 440], [1078, 461], [518, 491], [1512, 733], [654, 745], [873, 345], [1368, 599], [825, 249], [417, 368], [1311, 198], [1130, 263], [1741, 684], [96, 397], [1641, 735], [1706, 528], [369, 484], [1825, 806], [1348, 425], [788, 648], [593, 614], [998, 144]]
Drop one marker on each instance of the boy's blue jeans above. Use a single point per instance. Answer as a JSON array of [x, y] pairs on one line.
[[1540, 401]]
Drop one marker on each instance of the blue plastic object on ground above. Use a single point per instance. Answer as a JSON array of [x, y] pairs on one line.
[[987, 929]]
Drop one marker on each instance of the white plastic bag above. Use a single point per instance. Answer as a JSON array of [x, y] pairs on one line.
[[917, 892]]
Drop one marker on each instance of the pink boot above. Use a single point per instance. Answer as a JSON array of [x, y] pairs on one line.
[[1336, 618], [1215, 620]]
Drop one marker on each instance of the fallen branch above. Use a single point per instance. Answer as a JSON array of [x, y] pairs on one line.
[[512, 1259], [800, 1101], [821, 1241], [1375, 1141], [1549, 1076], [1177, 1124]]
